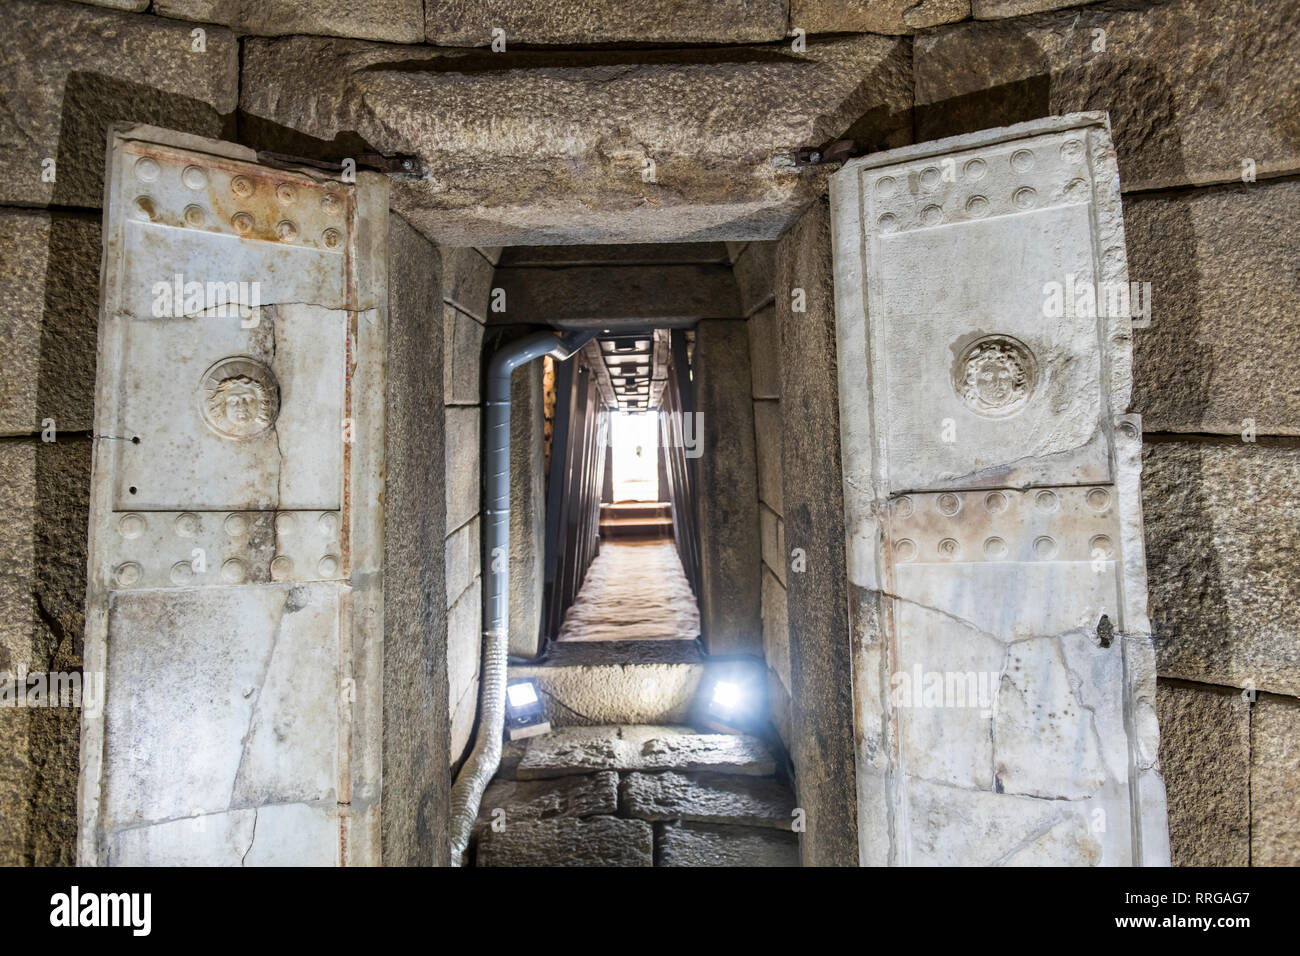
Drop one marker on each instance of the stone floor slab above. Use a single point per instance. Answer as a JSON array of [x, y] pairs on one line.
[[570, 841], [704, 844], [572, 750], [708, 798]]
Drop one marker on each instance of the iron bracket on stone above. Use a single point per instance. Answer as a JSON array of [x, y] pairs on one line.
[[399, 165]]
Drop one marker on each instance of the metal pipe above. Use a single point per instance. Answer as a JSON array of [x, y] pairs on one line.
[[485, 758]]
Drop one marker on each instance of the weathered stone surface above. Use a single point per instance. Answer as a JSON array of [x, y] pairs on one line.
[[767, 442], [594, 841], [708, 798], [1170, 124], [628, 254], [703, 844], [464, 357], [463, 553], [464, 642], [765, 353], [267, 712], [79, 69], [1275, 782], [600, 296], [462, 441], [397, 21], [467, 280], [527, 800], [727, 492], [874, 16], [1220, 544], [1213, 256], [586, 22], [773, 533], [38, 785], [134, 5], [755, 272], [821, 745], [463, 714], [598, 694], [643, 747], [527, 510], [49, 276], [997, 9], [416, 710], [1205, 759], [44, 496], [512, 751], [776, 629], [778, 707], [543, 172]]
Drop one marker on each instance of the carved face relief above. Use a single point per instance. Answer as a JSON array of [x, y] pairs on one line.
[[239, 398], [997, 376]]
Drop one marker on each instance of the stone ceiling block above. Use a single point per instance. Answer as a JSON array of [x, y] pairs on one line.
[[70, 70], [1228, 94], [997, 9], [586, 22], [874, 16], [398, 21], [550, 148], [594, 296]]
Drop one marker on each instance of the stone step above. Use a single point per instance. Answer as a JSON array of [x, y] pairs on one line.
[[579, 750], [707, 844], [708, 798], [636, 527], [507, 801], [569, 841], [586, 683], [636, 509]]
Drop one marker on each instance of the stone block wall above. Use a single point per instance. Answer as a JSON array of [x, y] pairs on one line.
[[753, 266], [729, 598], [417, 714], [467, 286]]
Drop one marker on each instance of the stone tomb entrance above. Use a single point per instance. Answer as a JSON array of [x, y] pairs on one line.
[[991, 479]]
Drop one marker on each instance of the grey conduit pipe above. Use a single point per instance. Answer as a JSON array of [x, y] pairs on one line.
[[485, 758]]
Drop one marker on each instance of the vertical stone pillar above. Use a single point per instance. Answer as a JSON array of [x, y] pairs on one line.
[[821, 731], [416, 717], [527, 510], [728, 493]]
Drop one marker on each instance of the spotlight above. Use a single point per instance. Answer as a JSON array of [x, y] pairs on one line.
[[732, 701], [525, 713]]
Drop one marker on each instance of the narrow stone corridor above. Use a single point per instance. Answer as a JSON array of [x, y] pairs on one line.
[[635, 590], [637, 796]]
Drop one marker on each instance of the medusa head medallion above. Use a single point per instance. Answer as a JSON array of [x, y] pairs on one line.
[[239, 398], [996, 376]]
